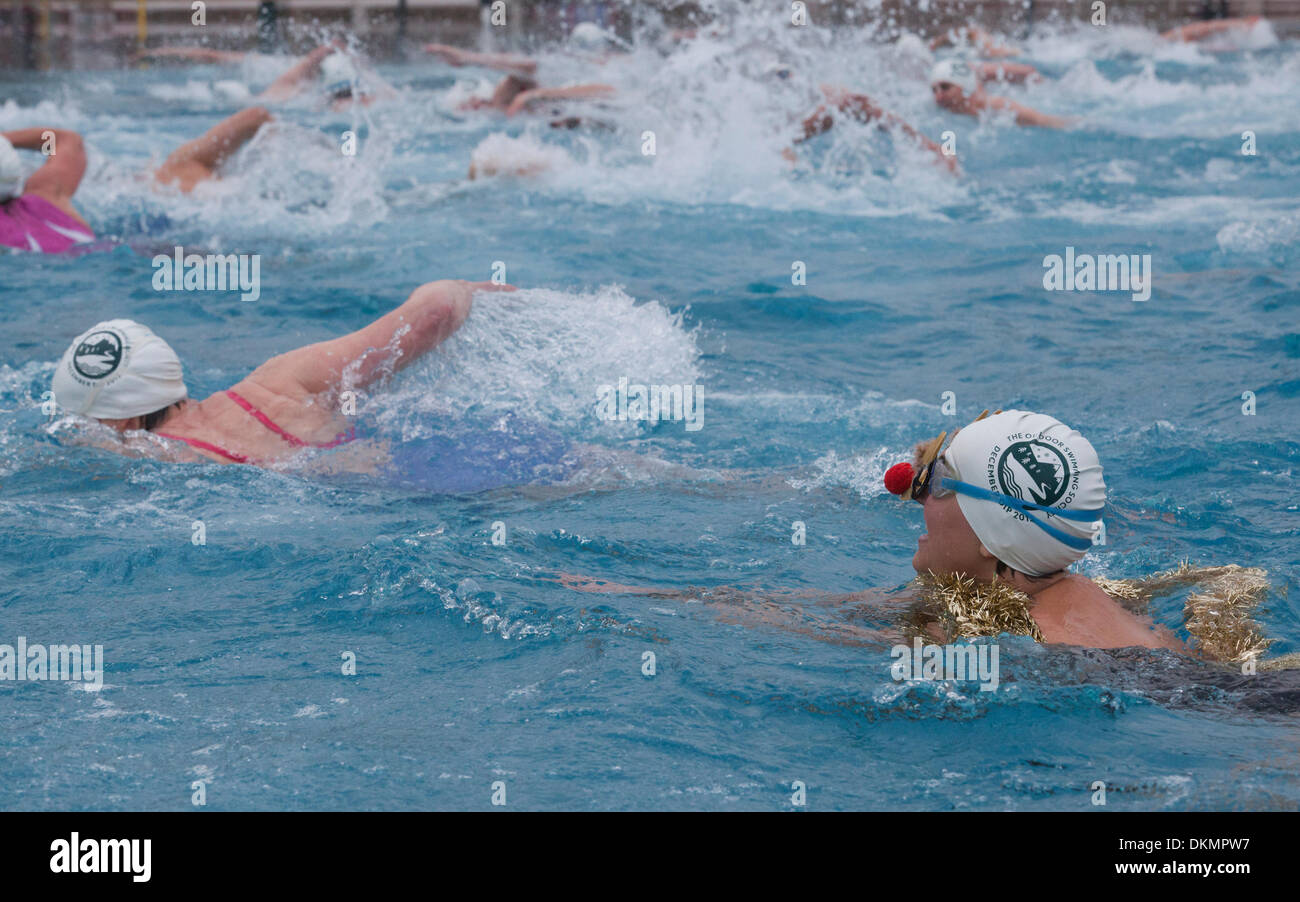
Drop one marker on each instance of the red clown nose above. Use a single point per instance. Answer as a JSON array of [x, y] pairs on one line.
[[898, 478]]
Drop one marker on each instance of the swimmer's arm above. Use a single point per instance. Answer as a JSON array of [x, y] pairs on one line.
[[1198, 31], [199, 54], [290, 83], [1028, 116], [59, 176], [772, 608], [428, 317], [1014, 73], [212, 148], [573, 92], [511, 64]]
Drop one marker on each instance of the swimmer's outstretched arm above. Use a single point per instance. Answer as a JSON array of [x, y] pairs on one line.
[[1028, 116], [775, 607], [509, 63], [61, 173], [291, 82], [1014, 73], [1198, 31], [197, 54], [573, 92], [197, 160], [428, 317]]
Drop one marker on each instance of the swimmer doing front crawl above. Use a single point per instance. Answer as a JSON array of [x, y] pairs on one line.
[[123, 375], [37, 214], [1008, 506]]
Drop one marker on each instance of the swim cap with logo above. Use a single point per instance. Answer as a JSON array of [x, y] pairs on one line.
[[1020, 458], [957, 72], [118, 369], [11, 171]]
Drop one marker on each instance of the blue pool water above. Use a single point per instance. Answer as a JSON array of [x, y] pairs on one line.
[[475, 664]]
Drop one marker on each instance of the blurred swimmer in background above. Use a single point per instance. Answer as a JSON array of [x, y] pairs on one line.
[[959, 88]]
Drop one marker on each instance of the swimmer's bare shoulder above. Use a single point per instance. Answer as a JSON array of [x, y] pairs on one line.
[[1075, 611]]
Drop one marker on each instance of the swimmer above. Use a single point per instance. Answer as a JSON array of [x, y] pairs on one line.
[[199, 160], [37, 214], [519, 90], [330, 66], [1014, 498], [959, 88], [986, 502], [863, 109], [124, 376]]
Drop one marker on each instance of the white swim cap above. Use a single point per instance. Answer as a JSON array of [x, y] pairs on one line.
[[1033, 459], [11, 171], [957, 72], [592, 38], [339, 74], [118, 369], [912, 56]]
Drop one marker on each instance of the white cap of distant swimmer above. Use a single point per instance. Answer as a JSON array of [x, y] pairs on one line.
[[11, 171], [118, 369], [1038, 459], [592, 38], [956, 71], [338, 73]]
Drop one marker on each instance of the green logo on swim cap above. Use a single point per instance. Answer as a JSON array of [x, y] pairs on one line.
[[1034, 469], [98, 355]]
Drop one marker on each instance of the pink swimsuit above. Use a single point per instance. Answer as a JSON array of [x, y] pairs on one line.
[[266, 421], [32, 223]]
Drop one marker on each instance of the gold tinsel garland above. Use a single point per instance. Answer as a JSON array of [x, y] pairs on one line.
[[1218, 617], [965, 609]]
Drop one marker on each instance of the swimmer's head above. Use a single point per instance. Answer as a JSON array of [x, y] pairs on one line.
[[116, 371], [339, 76], [911, 56], [951, 81], [11, 171], [589, 37], [987, 497]]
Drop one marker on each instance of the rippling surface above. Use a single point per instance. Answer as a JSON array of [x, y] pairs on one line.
[[474, 664]]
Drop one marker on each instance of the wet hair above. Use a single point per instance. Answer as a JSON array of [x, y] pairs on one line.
[[151, 420]]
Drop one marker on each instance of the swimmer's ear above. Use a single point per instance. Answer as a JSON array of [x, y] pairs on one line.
[[984, 552]]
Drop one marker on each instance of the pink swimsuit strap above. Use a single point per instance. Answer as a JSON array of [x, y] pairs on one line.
[[266, 421], [206, 446], [289, 437]]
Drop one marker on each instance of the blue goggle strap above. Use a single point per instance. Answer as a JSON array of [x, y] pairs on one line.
[[1024, 507]]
